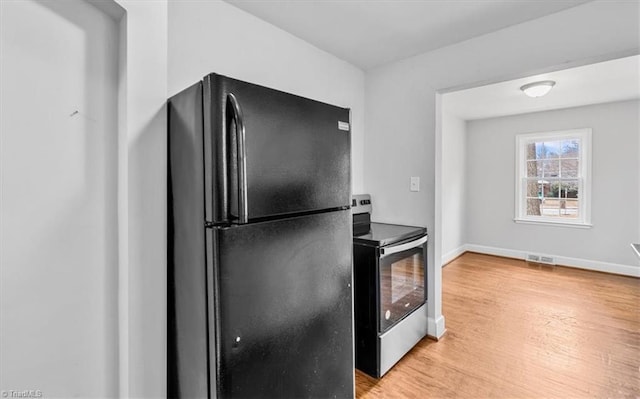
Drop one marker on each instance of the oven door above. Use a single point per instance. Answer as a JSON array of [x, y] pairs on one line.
[[402, 280]]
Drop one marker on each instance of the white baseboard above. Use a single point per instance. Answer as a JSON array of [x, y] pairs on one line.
[[507, 253], [615, 268], [451, 255], [435, 327]]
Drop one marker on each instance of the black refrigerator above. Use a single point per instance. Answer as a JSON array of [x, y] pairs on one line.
[[259, 244]]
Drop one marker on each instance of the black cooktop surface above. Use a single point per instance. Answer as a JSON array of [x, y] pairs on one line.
[[382, 234]]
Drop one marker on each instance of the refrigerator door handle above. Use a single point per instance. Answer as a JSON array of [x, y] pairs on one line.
[[242, 158]]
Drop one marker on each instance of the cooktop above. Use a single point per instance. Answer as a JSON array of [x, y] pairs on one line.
[[382, 234]]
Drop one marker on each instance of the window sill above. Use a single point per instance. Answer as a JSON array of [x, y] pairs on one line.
[[554, 223]]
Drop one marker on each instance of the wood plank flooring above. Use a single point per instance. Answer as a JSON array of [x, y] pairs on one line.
[[517, 330]]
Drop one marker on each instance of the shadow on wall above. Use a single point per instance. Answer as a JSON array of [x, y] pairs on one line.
[[148, 260]]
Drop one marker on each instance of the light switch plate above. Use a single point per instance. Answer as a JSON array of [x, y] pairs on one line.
[[415, 183]]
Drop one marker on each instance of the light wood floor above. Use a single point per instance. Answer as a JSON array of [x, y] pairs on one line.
[[516, 330]]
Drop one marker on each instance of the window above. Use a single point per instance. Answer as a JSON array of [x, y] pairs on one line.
[[553, 181]]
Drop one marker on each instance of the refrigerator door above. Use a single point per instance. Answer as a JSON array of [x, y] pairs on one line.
[[269, 153], [283, 308]]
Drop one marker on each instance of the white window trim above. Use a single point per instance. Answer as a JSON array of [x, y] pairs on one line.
[[585, 172]]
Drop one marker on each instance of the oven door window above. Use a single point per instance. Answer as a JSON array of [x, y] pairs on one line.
[[402, 285]]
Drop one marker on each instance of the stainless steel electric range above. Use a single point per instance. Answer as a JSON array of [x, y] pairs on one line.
[[390, 289]]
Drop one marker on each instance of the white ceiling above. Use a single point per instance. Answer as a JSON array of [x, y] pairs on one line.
[[368, 33], [615, 80]]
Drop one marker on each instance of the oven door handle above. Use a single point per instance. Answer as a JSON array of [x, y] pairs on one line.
[[403, 247]]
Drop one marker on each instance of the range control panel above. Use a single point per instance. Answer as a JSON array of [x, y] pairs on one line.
[[361, 203]]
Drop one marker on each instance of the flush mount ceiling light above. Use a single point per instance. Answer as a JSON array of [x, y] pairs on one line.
[[538, 89]]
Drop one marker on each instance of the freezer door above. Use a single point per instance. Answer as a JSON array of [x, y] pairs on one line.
[[269, 153], [283, 308]]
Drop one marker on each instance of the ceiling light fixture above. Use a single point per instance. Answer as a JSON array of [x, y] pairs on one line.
[[538, 89]]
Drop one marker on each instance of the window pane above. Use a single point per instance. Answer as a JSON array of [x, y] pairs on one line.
[[551, 190], [550, 207], [534, 168], [533, 207], [540, 150], [569, 208], [534, 188], [551, 149], [569, 189], [571, 148], [569, 168], [551, 168], [531, 151]]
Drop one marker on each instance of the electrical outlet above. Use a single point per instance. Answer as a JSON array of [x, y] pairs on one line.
[[415, 183]]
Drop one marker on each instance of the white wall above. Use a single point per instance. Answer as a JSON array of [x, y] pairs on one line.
[[214, 36], [454, 181], [142, 205], [615, 175], [58, 236], [400, 101], [84, 293]]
